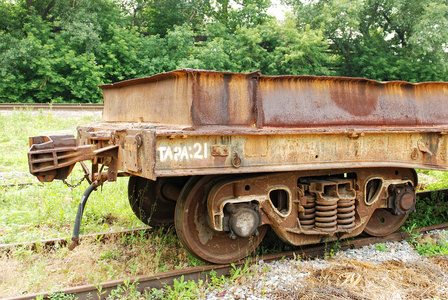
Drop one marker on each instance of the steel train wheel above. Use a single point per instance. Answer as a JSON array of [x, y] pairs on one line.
[[148, 201], [192, 226], [383, 222]]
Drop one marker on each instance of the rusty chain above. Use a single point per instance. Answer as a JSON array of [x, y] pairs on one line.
[[73, 185]]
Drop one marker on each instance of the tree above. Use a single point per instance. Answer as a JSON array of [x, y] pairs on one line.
[[382, 39]]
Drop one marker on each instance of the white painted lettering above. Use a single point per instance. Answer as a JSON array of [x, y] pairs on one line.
[[184, 154], [168, 154], [162, 150], [176, 153]]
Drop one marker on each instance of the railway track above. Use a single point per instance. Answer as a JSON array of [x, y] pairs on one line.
[[51, 106], [49, 243], [201, 272], [160, 280]]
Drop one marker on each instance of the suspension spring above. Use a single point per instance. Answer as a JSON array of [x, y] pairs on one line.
[[307, 217], [326, 214], [346, 213]]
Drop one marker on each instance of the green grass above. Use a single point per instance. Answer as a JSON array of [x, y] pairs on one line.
[[16, 128], [43, 211], [46, 211], [429, 211]]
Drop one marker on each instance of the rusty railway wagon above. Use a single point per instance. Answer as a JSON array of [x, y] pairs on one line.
[[226, 155]]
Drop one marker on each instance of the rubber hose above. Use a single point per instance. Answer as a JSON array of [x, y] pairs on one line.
[[82, 204]]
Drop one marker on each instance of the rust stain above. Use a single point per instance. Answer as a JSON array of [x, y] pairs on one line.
[[357, 99]]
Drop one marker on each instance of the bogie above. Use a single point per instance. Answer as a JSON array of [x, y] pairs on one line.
[[221, 219]]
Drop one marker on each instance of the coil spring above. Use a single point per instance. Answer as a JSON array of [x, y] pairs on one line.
[[306, 219], [346, 213], [326, 214]]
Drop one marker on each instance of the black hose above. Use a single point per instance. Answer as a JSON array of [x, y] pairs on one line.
[[82, 204]]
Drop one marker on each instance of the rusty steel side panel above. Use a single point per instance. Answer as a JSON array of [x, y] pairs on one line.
[[184, 97], [304, 101], [197, 122], [157, 101], [223, 98], [199, 98], [217, 154]]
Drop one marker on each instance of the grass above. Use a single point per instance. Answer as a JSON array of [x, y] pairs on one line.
[[91, 262], [46, 211], [430, 211]]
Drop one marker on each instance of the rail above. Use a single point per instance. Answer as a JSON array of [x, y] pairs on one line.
[[48, 243], [51, 106]]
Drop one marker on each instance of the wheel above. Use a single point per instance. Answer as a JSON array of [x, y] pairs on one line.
[[154, 202], [383, 222], [194, 232]]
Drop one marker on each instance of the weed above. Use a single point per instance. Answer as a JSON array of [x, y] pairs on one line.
[[297, 257], [236, 273], [330, 252], [217, 282], [427, 245], [431, 249], [99, 288], [181, 289], [127, 291], [110, 254], [62, 296], [193, 261], [380, 247]]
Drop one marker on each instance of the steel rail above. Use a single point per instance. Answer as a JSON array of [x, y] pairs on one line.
[[20, 185], [160, 280], [61, 241], [51, 106]]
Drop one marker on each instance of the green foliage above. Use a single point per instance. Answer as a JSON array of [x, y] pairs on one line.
[[190, 289], [384, 40], [380, 247], [430, 211], [126, 291], [60, 51], [52, 61], [62, 296], [427, 246], [431, 249], [182, 289]]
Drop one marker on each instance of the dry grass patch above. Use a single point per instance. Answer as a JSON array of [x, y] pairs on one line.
[[25, 271], [391, 280], [441, 261]]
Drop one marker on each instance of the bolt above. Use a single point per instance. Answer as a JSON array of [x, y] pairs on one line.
[[256, 207], [233, 210], [232, 235]]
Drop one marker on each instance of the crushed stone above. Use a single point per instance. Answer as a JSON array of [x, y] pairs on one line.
[[270, 280]]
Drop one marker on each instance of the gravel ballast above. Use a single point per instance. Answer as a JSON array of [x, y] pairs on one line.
[[290, 278]]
